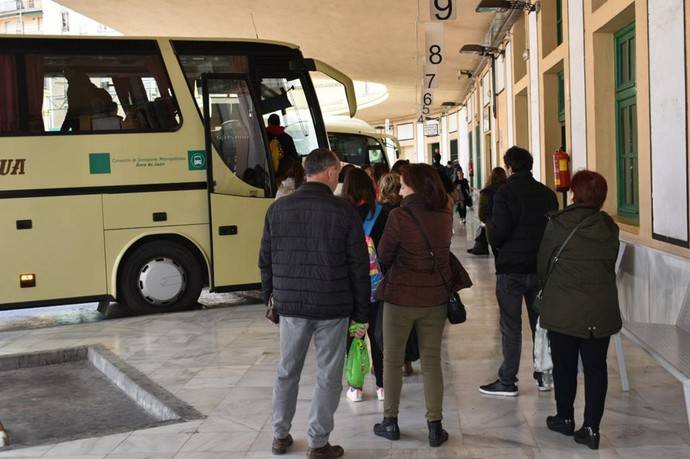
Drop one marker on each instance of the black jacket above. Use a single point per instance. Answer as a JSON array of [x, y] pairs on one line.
[[580, 296], [517, 222], [313, 256]]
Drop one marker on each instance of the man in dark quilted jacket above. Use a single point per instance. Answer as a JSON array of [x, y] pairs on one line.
[[516, 226], [315, 264]]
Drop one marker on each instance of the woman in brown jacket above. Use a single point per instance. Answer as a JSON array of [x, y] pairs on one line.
[[415, 294]]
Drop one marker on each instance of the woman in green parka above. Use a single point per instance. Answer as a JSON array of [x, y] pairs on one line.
[[579, 302]]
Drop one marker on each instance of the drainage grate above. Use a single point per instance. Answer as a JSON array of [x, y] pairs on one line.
[[67, 394]]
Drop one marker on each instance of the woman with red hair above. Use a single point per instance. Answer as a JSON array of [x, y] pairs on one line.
[[578, 303]]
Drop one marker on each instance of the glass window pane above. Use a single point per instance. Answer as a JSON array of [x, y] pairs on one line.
[[9, 98], [633, 128], [350, 148], [194, 66], [625, 63], [86, 93], [632, 59], [376, 151], [236, 131], [286, 98]]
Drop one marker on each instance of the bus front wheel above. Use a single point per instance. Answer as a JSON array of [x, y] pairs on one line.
[[160, 276]]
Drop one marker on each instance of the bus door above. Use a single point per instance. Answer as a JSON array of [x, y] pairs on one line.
[[240, 178]]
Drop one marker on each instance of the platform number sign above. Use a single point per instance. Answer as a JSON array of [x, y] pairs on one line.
[[433, 58], [443, 10]]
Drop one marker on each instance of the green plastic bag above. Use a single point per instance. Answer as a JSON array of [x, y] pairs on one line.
[[358, 365]]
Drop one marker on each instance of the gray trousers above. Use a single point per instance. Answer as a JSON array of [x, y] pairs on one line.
[[511, 290], [330, 339]]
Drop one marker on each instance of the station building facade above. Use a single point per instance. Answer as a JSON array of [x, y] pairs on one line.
[[606, 81]]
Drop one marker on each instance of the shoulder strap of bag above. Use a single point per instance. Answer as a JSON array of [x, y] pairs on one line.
[[428, 244], [555, 258], [370, 221]]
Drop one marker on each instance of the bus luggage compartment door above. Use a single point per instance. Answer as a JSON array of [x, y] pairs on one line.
[[58, 240]]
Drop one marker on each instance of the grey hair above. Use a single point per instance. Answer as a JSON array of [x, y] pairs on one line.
[[319, 160]]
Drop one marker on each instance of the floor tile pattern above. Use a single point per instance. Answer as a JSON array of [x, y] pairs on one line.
[[222, 362]]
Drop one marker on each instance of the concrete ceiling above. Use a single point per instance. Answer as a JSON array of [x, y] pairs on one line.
[[378, 41]]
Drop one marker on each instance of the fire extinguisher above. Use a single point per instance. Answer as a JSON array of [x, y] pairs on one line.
[[561, 170], [470, 172]]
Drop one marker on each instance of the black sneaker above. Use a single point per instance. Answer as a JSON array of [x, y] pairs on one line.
[[587, 436], [497, 388], [544, 383], [388, 429], [561, 425], [479, 250]]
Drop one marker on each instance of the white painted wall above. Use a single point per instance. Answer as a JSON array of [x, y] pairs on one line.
[[535, 125], [509, 93], [78, 23], [578, 96], [463, 144], [668, 118], [420, 141], [445, 142]]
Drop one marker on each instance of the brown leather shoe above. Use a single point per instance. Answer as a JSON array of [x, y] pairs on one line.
[[325, 452], [281, 445]]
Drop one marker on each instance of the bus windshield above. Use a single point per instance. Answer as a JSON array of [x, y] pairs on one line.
[[357, 149]]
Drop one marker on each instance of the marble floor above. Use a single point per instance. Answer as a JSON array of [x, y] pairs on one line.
[[222, 361]]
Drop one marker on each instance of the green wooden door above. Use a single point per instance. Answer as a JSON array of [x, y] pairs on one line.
[[626, 124], [478, 158]]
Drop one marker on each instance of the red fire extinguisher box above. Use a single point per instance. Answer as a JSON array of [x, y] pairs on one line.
[[561, 170]]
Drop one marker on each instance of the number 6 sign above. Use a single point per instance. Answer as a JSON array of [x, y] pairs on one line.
[[443, 10]]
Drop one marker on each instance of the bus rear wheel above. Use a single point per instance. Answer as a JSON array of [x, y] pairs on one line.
[[160, 276]]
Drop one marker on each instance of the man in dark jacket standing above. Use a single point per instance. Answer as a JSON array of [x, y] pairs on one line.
[[516, 226], [315, 264]]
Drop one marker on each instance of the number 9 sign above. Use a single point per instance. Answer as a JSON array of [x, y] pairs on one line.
[[443, 10]]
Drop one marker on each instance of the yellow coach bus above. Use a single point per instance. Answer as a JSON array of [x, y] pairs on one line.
[[138, 170]]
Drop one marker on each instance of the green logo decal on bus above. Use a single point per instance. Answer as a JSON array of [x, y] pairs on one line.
[[197, 160], [99, 163]]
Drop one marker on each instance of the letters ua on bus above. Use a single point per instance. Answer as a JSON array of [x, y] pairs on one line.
[[12, 166]]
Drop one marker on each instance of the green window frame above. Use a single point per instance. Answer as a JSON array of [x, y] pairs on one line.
[[478, 163], [559, 22], [561, 107], [626, 124]]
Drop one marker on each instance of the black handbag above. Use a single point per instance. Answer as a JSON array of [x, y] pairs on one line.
[[456, 310]]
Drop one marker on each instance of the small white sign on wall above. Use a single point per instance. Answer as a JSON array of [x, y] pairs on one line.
[[500, 74], [405, 131], [486, 89]]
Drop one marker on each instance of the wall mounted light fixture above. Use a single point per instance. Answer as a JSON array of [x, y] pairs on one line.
[[499, 6]]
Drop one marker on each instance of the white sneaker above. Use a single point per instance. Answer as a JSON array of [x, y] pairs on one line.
[[354, 395], [379, 393]]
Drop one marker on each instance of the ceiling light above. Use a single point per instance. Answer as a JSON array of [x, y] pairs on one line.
[[467, 73], [499, 6], [448, 104], [481, 50]]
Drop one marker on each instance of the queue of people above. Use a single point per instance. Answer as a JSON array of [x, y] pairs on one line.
[[316, 268]]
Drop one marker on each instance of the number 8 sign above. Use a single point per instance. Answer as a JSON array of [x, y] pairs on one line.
[[443, 10]]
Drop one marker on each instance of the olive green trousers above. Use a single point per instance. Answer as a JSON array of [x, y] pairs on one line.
[[429, 322]]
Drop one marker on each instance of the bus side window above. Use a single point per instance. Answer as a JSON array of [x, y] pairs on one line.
[[9, 101], [69, 91]]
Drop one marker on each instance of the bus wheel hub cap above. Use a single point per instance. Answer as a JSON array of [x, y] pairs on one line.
[[161, 281]]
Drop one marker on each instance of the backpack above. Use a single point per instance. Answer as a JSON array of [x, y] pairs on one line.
[[375, 273], [276, 152]]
